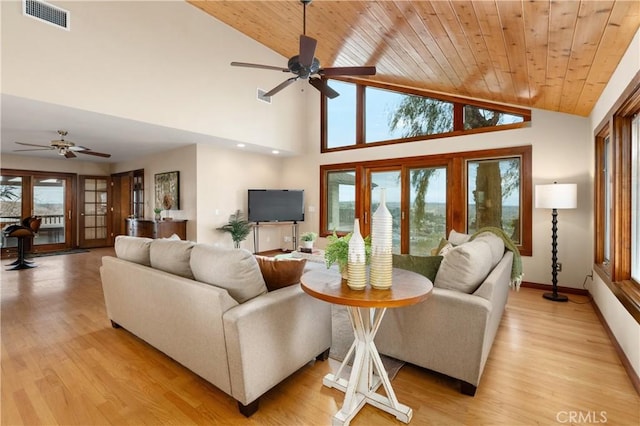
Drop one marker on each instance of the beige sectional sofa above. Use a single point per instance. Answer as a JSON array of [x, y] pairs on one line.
[[453, 330], [209, 309]]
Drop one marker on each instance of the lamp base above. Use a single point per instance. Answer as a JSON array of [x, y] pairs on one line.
[[556, 297]]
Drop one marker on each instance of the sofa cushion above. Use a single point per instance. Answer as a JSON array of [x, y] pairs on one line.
[[278, 273], [495, 244], [424, 265], [172, 256], [235, 270], [465, 267], [133, 249]]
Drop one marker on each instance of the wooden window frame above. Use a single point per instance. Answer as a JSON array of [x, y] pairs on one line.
[[458, 115], [456, 164], [617, 274]]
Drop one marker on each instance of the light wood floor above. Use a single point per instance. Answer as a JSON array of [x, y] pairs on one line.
[[62, 363]]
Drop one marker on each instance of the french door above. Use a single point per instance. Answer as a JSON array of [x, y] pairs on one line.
[[416, 197], [94, 209], [48, 195]]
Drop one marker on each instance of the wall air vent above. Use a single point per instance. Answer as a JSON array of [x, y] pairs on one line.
[[46, 12], [262, 97]]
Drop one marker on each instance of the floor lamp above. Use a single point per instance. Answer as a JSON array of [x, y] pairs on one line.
[[556, 196]]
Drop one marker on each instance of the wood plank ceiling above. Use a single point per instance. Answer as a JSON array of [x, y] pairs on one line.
[[553, 55]]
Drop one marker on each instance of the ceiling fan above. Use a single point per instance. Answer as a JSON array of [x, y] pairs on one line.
[[305, 66], [66, 148]]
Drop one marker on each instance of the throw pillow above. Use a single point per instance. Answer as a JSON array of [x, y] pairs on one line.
[[465, 267], [457, 238], [133, 249], [279, 273], [172, 256], [423, 265], [235, 270]]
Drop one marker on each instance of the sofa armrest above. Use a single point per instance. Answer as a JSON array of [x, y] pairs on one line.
[[271, 336]]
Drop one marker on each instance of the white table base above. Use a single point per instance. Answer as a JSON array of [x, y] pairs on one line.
[[367, 372]]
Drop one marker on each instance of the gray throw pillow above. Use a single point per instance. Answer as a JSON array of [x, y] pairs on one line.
[[424, 265]]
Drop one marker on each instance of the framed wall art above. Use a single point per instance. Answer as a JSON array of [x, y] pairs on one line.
[[167, 190]]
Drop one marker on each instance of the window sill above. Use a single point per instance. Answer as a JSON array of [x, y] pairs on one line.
[[626, 291]]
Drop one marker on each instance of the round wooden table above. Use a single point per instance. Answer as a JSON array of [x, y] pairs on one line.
[[366, 310]]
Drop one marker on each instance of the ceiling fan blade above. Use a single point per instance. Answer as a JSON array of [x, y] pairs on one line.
[[69, 154], [32, 149], [97, 154], [323, 87], [307, 50], [348, 71], [281, 86], [32, 144], [264, 67]]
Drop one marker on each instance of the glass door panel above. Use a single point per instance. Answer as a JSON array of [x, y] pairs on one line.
[[427, 209], [10, 205], [391, 182], [94, 211], [49, 195]]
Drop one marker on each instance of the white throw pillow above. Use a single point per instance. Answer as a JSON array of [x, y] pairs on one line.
[[495, 244], [465, 267], [172, 256], [133, 249], [457, 238], [235, 270]]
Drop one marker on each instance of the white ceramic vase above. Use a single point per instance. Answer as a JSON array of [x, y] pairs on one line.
[[381, 245], [356, 272]]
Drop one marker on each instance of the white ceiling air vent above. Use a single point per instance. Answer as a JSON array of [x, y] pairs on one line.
[[262, 97], [46, 12]]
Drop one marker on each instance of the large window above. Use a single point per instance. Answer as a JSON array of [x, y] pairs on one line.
[[617, 199], [428, 196], [373, 114]]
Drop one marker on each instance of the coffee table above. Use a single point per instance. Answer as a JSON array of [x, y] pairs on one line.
[[366, 310]]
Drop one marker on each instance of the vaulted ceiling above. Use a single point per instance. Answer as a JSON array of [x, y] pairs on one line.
[[553, 55]]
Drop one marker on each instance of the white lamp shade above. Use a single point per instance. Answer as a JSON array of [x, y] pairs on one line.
[[557, 196]]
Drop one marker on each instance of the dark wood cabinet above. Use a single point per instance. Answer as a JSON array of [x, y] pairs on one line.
[[156, 229]]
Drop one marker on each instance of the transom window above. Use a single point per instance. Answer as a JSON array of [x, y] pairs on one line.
[[373, 114]]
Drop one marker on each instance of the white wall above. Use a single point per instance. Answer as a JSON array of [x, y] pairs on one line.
[[624, 327], [159, 62], [182, 160], [561, 151], [224, 176]]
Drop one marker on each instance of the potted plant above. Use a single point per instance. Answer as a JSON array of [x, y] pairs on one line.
[[307, 239], [337, 251], [157, 212], [238, 227]]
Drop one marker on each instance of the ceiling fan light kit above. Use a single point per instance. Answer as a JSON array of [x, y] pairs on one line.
[[65, 148], [306, 66]]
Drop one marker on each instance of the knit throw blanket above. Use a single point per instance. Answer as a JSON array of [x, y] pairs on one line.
[[516, 267]]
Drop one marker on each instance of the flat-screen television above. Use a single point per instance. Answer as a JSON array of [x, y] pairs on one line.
[[276, 205]]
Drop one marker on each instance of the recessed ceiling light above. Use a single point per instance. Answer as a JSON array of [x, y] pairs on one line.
[[275, 151], [240, 145]]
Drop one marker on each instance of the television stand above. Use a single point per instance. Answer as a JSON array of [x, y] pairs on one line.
[[256, 233]]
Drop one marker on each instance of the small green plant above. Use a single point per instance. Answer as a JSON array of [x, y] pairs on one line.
[[309, 236], [157, 210], [238, 227], [337, 251]]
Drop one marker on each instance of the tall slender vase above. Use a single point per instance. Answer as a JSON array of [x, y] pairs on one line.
[[356, 272], [381, 245]]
